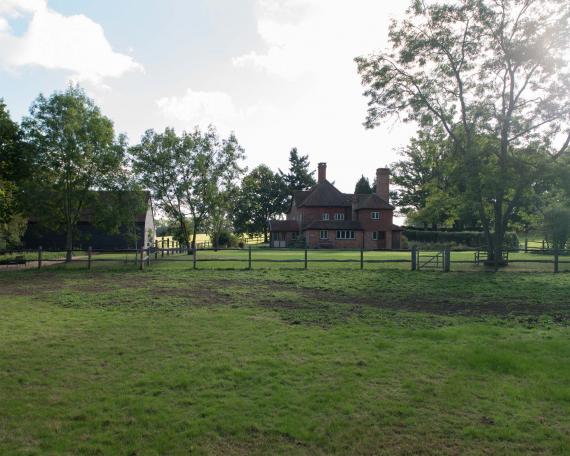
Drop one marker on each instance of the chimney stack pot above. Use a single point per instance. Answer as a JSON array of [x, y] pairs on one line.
[[322, 173], [383, 183]]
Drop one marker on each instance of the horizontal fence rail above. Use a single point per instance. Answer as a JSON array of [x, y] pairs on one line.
[[444, 260]]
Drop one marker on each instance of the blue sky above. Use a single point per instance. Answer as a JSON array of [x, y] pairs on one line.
[[277, 72]]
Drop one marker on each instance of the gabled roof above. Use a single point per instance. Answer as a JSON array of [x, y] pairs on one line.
[[283, 225], [371, 201], [323, 194]]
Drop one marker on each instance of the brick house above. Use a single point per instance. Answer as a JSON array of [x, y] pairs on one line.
[[324, 217]]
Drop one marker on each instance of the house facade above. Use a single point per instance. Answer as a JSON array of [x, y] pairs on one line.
[[324, 217]]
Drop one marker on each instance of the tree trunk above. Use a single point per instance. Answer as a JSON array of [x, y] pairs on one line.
[[265, 235], [68, 243], [186, 236], [194, 232]]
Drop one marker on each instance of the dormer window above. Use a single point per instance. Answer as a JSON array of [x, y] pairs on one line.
[[339, 216], [326, 216], [375, 215]]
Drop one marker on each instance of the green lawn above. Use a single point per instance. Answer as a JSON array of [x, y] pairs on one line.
[[176, 361]]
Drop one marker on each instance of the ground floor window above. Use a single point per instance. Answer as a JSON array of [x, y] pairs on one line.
[[345, 234], [294, 235], [324, 234], [378, 235]]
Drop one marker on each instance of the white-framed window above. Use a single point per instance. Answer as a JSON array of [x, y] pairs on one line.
[[375, 215], [339, 216], [324, 235], [345, 234], [326, 216], [378, 235]]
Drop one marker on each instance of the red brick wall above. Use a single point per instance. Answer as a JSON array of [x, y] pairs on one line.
[[364, 216], [313, 214], [314, 242]]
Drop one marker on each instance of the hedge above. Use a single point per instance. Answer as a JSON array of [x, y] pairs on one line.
[[466, 238]]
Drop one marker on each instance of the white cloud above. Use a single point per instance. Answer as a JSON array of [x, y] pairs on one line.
[[53, 41], [199, 108], [309, 52], [318, 36]]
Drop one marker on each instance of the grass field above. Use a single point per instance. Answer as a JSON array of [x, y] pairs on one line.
[[173, 361]]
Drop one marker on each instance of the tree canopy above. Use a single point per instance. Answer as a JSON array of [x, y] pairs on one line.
[[363, 186], [494, 76], [299, 176], [190, 176], [75, 150], [262, 196]]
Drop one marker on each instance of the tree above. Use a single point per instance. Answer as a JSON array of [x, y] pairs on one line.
[[494, 76], [299, 177], [424, 178], [557, 226], [14, 169], [262, 196], [363, 186], [76, 151], [188, 175]]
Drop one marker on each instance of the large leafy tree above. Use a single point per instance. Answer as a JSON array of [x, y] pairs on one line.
[[299, 176], [76, 151], [262, 196], [426, 189], [15, 168], [188, 175], [494, 76]]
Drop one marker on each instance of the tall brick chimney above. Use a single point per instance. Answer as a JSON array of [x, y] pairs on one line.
[[383, 183], [322, 174]]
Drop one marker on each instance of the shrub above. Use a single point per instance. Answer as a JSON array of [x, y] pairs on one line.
[[456, 238], [226, 239]]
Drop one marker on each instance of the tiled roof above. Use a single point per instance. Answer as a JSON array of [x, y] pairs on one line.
[[283, 225], [371, 201], [324, 194]]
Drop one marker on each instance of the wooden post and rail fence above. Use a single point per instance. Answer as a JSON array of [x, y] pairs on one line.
[[418, 259]]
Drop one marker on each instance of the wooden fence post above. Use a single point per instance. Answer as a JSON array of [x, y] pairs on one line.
[[306, 259], [447, 260], [249, 258], [40, 249], [156, 250], [89, 253], [162, 252], [414, 258], [194, 255], [168, 247], [556, 260], [141, 265], [361, 259]]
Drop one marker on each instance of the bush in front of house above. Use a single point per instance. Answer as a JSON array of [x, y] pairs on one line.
[[455, 238]]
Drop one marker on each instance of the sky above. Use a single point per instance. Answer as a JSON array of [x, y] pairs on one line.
[[278, 73]]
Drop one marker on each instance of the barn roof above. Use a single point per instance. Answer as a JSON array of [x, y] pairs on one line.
[[107, 197]]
